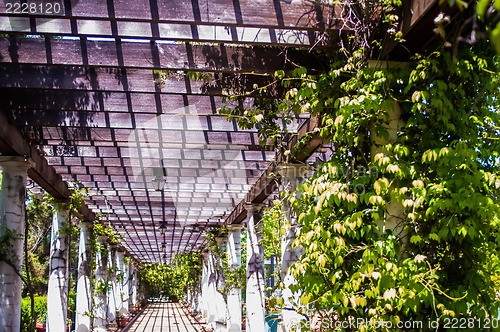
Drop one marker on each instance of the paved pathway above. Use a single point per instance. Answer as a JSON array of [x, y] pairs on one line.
[[165, 317]]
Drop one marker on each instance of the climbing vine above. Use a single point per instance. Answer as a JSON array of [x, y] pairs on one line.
[[401, 223], [438, 180], [187, 267], [156, 279], [228, 277]]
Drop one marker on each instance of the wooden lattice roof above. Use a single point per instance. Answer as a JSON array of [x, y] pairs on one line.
[[80, 86], [80, 94]]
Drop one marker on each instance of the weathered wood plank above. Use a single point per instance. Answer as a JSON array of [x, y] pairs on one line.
[[419, 8], [178, 56], [269, 22], [125, 120], [12, 99], [264, 13], [114, 167], [106, 80], [168, 32]]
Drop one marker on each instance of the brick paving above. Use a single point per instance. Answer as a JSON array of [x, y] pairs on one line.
[[163, 317]]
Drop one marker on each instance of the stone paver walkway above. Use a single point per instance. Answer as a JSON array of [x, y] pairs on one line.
[[165, 317]]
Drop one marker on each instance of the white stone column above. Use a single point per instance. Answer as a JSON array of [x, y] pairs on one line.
[[220, 302], [291, 175], [84, 284], [395, 210], [133, 285], [234, 294], [12, 211], [211, 291], [100, 304], [113, 291], [120, 295], [255, 302], [205, 274], [198, 305], [57, 294], [127, 281]]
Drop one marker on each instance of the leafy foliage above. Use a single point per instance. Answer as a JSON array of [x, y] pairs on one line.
[[228, 277], [156, 279], [440, 176], [273, 228], [187, 269], [40, 311], [487, 11], [39, 221], [402, 222]]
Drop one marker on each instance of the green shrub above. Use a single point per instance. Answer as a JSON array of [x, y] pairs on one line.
[[25, 314], [40, 311], [71, 309]]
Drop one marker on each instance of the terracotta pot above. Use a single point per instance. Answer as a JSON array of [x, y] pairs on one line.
[[121, 322], [43, 327], [136, 308]]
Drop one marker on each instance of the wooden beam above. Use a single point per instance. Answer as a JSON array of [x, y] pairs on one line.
[[173, 56], [124, 120], [22, 99], [84, 81], [13, 143], [418, 9], [239, 21]]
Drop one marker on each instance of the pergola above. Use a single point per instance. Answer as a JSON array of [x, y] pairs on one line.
[[97, 92], [82, 84]]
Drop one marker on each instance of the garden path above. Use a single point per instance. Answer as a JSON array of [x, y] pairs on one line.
[[165, 317]]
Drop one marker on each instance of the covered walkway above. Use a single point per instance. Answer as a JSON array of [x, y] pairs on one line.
[[165, 317], [124, 103]]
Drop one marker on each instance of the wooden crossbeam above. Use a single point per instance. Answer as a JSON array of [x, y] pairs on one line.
[[54, 100], [84, 81], [145, 55], [265, 13], [267, 21], [125, 120]]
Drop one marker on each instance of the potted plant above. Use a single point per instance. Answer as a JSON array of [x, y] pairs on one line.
[[137, 307], [40, 323], [69, 323], [121, 321]]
